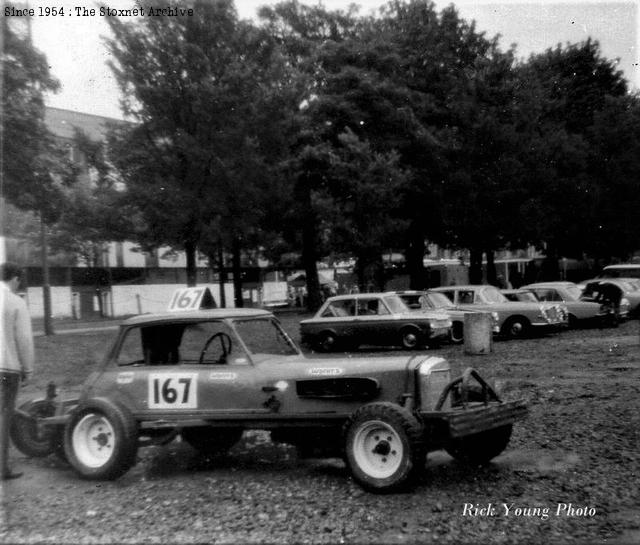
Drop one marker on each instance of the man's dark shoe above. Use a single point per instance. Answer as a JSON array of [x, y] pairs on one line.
[[8, 475]]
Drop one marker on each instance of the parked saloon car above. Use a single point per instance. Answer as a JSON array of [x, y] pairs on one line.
[[348, 321], [207, 375], [426, 301], [580, 311], [516, 319], [621, 295]]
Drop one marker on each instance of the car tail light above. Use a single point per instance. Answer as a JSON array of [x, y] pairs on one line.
[[434, 375]]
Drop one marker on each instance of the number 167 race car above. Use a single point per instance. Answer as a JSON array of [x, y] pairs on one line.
[[208, 375]]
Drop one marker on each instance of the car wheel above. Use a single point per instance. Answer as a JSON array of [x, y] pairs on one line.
[[457, 332], [384, 447], [101, 440], [326, 342], [516, 327], [410, 338], [211, 441], [25, 432], [480, 448]]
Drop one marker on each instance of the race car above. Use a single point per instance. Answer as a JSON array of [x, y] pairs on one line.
[[208, 375]]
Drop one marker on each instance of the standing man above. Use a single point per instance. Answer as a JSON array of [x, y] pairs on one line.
[[16, 355]]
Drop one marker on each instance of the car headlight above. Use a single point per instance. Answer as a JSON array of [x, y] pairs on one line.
[[496, 318], [624, 303]]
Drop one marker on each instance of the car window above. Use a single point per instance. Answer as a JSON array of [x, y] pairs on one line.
[[371, 307], [436, 300], [493, 295], [396, 305], [340, 309], [449, 294], [265, 336], [208, 342], [173, 344], [413, 301], [548, 294], [465, 297]]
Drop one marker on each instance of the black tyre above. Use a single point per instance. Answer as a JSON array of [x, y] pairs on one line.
[[480, 448], [101, 440], [25, 432], [516, 327], [410, 338], [457, 333], [211, 441], [384, 447], [327, 341]]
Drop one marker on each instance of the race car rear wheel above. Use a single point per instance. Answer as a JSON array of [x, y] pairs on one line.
[[480, 448], [211, 441], [384, 447], [27, 436], [101, 440]]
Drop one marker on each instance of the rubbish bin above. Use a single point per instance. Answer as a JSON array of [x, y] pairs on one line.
[[478, 333]]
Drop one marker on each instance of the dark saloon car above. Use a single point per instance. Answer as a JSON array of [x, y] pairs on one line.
[[382, 319]]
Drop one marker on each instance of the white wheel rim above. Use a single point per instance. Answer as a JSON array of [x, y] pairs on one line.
[[377, 449], [516, 328], [93, 440]]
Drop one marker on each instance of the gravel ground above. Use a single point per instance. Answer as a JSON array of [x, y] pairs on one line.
[[577, 452]]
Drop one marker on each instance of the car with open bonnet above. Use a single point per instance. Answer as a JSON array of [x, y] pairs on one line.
[[209, 375]]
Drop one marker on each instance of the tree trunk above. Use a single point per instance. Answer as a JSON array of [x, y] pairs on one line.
[[492, 277], [309, 252], [550, 268], [222, 276], [237, 273], [415, 257], [192, 273], [475, 266]]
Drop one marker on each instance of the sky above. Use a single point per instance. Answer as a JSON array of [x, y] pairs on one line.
[[77, 57]]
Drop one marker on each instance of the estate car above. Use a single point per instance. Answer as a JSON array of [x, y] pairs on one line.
[[383, 319]]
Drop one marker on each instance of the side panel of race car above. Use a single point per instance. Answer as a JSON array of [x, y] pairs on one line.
[[270, 389]]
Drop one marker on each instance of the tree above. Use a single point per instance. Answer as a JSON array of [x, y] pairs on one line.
[[204, 94], [27, 146], [569, 88], [92, 195], [33, 167]]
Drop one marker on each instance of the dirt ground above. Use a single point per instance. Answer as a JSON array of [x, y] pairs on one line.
[[569, 475]]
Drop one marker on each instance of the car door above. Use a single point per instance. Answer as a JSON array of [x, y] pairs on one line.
[[186, 370], [373, 321]]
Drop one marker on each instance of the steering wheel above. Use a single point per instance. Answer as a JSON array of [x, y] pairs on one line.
[[225, 344]]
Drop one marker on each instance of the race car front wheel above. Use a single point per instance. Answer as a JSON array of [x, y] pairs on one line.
[[101, 440], [384, 447]]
